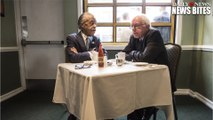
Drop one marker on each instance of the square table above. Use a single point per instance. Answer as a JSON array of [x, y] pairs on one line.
[[104, 93]]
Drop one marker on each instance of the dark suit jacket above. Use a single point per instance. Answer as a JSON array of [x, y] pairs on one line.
[[151, 49], [76, 40]]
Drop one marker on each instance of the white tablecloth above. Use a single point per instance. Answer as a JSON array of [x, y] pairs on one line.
[[103, 93]]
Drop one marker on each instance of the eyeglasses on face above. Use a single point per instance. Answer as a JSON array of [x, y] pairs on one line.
[[136, 26]]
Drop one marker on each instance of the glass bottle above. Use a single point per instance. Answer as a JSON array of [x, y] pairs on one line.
[[100, 56]]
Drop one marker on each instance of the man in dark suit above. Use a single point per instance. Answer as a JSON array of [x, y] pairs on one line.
[[145, 45], [83, 45]]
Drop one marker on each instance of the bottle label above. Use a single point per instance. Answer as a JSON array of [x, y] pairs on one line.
[[101, 61]]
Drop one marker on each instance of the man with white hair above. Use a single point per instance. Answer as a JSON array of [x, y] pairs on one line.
[[145, 45]]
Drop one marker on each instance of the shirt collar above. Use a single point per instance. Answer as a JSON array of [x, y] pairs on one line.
[[140, 39], [85, 37]]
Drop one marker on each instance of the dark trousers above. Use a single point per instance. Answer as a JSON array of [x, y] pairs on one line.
[[72, 117], [142, 114]]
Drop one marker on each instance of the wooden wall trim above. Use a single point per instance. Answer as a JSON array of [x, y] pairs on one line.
[[196, 95], [11, 94]]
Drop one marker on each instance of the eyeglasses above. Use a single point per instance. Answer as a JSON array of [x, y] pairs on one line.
[[136, 26]]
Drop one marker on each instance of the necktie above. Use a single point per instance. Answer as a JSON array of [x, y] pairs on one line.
[[87, 43]]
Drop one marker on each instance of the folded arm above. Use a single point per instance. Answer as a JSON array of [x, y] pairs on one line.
[[74, 52]]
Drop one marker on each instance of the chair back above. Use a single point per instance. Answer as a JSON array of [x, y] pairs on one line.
[[66, 56], [174, 52]]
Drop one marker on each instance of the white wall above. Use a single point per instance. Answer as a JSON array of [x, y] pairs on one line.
[[45, 22]]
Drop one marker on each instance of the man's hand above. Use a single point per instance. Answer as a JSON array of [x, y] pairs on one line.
[[73, 49]]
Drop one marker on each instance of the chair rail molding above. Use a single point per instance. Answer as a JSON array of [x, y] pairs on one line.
[[198, 47], [9, 49], [196, 95]]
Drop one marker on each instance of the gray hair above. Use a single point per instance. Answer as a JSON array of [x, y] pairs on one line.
[[82, 19], [144, 20]]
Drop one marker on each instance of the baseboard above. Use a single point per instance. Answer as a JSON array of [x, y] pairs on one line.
[[196, 95], [11, 94]]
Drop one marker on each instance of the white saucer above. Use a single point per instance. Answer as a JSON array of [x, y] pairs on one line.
[[140, 63], [89, 62]]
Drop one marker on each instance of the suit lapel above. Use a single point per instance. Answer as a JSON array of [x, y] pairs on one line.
[[81, 42]]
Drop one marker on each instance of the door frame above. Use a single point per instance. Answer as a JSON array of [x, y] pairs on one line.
[[18, 48]]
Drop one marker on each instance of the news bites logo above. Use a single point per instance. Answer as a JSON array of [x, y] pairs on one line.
[[191, 8]]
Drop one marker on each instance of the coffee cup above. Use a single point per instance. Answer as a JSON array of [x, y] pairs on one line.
[[120, 58]]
